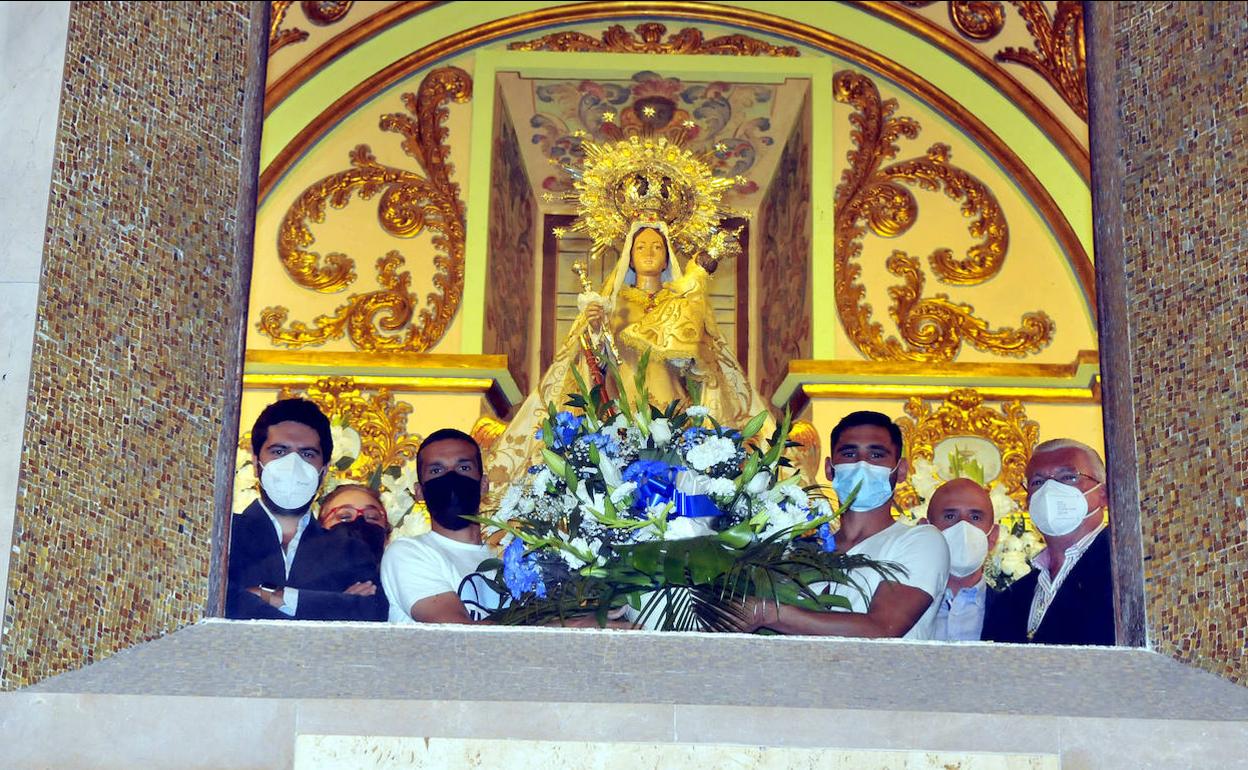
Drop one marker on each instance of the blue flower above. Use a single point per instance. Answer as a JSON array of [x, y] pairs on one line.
[[641, 471], [827, 539], [567, 425], [520, 573]]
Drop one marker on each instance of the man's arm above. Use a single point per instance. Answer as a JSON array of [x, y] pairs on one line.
[[340, 605], [894, 610], [442, 608]]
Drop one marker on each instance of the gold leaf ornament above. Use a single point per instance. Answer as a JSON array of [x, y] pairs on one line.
[[963, 413], [377, 417], [1060, 53], [408, 203], [976, 19], [649, 39], [876, 197]]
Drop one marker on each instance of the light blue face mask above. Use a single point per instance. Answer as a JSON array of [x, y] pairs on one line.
[[872, 482]]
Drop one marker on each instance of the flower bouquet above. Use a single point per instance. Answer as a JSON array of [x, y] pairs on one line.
[[663, 515]]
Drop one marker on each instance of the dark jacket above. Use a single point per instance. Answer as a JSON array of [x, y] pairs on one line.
[[326, 563], [1082, 612]]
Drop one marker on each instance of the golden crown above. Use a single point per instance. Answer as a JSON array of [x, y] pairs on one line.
[[648, 178]]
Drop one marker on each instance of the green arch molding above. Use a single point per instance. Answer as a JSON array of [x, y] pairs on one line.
[[313, 110]]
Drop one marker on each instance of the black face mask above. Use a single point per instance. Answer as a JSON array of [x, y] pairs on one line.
[[371, 535], [451, 496]]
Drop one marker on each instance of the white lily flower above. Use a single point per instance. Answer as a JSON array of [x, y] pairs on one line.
[[413, 524], [661, 431], [759, 484], [346, 443], [610, 472], [622, 493]]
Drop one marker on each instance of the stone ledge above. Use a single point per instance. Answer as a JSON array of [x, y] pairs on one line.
[[226, 659]]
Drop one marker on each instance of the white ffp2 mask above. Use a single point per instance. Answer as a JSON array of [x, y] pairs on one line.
[[290, 481], [1057, 509], [968, 547]]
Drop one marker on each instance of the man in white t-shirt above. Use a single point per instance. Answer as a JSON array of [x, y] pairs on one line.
[[867, 457], [433, 578]]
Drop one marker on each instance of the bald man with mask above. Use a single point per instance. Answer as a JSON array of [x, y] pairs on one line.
[[962, 511]]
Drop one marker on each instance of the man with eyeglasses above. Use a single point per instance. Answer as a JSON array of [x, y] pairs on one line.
[[1068, 598]]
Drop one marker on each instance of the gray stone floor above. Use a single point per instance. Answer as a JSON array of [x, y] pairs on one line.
[[445, 663]]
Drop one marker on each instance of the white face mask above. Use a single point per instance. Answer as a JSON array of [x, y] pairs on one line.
[[290, 481], [968, 547], [1057, 509], [875, 489]]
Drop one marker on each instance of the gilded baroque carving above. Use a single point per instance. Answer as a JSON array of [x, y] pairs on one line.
[[649, 39], [1059, 55], [326, 12], [976, 19], [408, 203], [377, 417], [871, 196], [278, 37], [963, 414], [319, 13]]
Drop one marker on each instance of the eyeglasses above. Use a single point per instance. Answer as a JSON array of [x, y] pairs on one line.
[[1069, 478], [345, 513]]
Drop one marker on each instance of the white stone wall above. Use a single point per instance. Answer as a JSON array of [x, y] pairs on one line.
[[32, 55]]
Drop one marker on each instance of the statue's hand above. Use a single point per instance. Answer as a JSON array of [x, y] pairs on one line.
[[595, 313], [709, 264]]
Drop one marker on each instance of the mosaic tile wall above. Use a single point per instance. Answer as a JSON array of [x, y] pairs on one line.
[[115, 502], [1182, 109]]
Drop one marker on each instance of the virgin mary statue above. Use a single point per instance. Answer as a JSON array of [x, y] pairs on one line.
[[650, 302]]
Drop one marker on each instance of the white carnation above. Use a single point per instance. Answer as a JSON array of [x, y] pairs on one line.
[[712, 451], [1014, 564], [697, 412], [685, 527], [796, 495], [782, 517], [723, 489], [510, 505]]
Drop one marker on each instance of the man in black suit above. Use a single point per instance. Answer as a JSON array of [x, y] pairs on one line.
[[1068, 598], [283, 564]]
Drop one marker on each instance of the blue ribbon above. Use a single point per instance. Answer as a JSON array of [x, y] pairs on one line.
[[662, 490]]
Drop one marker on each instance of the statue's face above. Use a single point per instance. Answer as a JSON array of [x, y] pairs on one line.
[[649, 253]]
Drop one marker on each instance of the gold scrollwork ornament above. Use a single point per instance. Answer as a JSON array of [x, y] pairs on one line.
[[408, 203], [874, 196], [377, 417], [976, 19], [280, 38], [963, 414], [1059, 56], [649, 39]]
